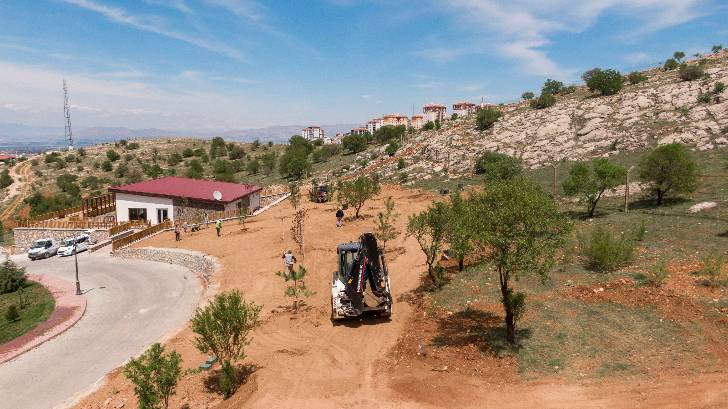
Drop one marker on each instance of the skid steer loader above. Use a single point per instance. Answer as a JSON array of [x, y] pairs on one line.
[[361, 283]]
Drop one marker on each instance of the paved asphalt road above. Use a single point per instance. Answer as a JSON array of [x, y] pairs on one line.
[[131, 304]]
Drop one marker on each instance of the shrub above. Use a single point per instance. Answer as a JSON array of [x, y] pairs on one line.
[[657, 273], [112, 155], [228, 382], [678, 55], [194, 169], [718, 88], [174, 159], [223, 170], [497, 166], [552, 87], [12, 314], [690, 72], [389, 133], [717, 48], [235, 152], [51, 157], [324, 153], [607, 82], [218, 147], [543, 101], [454, 117], [589, 183], [155, 376], [106, 166], [704, 98], [253, 166], [669, 169], [635, 77], [132, 146], [5, 179], [188, 153], [604, 252], [712, 270], [528, 95], [401, 164], [428, 126], [670, 64], [356, 192], [486, 118], [12, 277], [392, 148]]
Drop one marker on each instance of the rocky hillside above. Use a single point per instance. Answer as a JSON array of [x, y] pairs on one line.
[[581, 125]]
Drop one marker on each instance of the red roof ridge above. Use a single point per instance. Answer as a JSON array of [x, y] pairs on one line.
[[185, 188]]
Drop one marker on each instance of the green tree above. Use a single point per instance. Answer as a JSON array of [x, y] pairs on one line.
[[112, 155], [106, 166], [392, 148], [295, 285], [384, 228], [521, 227], [188, 153], [268, 162], [458, 233], [223, 327], [528, 95], [174, 159], [218, 147], [717, 48], [253, 166], [454, 117], [544, 100], [590, 182], [485, 118], [223, 170], [12, 277], [356, 192], [670, 64], [669, 169], [67, 184], [155, 376], [235, 151], [678, 55], [194, 169], [429, 228], [5, 179], [552, 87], [389, 133], [607, 82], [354, 143], [497, 166], [429, 126]]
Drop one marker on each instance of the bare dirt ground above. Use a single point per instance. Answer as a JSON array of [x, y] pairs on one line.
[[303, 361], [22, 174]]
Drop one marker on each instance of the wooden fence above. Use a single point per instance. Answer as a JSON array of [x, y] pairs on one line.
[[122, 227], [125, 241], [58, 214], [96, 206]]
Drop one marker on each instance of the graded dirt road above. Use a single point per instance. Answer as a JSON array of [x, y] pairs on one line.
[[22, 174], [131, 304], [303, 361]]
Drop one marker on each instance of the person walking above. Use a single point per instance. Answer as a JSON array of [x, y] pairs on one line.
[[340, 217], [218, 226], [288, 260], [177, 233]]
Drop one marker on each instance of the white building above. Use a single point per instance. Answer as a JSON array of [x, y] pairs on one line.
[[374, 124], [313, 133], [165, 198], [434, 112]]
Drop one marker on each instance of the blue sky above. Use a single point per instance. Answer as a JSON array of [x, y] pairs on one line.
[[226, 64]]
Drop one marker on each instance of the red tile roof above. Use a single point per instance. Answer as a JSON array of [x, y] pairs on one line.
[[6, 157], [184, 188]]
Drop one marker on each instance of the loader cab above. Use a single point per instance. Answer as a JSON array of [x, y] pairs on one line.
[[347, 254]]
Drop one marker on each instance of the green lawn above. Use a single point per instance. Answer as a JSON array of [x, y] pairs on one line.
[[39, 304]]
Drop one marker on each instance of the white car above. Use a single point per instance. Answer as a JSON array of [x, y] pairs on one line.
[[81, 244], [42, 248]]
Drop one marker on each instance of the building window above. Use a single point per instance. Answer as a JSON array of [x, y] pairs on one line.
[[137, 214]]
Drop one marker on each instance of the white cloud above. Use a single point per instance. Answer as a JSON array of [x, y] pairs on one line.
[[429, 84], [444, 54], [242, 8], [179, 5], [522, 29], [155, 24]]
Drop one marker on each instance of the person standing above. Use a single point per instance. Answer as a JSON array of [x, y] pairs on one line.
[[218, 226], [288, 260], [177, 233], [340, 217]]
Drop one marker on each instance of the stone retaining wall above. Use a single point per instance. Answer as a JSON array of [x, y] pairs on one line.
[[197, 262], [25, 236]]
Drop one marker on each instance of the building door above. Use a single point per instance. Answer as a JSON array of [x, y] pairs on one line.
[[162, 215]]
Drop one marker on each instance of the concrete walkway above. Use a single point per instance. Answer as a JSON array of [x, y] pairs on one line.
[[131, 304], [68, 310]]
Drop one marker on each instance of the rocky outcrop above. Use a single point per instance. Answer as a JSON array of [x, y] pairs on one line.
[[662, 110]]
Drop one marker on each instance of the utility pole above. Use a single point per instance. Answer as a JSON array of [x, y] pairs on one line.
[[626, 190], [75, 259]]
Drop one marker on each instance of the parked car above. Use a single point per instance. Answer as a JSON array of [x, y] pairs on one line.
[[67, 247], [42, 248]]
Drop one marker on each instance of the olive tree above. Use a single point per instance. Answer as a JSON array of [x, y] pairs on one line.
[[590, 181], [458, 233], [429, 228], [356, 192], [519, 228], [669, 169], [384, 227], [607, 82], [223, 328], [155, 376]]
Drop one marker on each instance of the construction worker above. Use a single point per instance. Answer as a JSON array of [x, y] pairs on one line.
[[340, 217], [288, 260], [218, 226]]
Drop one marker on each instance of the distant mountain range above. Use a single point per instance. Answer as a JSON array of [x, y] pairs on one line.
[[18, 137]]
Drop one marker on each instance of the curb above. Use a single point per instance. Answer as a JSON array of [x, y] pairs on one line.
[[64, 293]]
